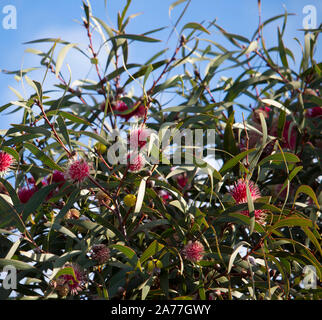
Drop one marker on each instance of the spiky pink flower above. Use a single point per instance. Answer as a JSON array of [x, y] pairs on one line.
[[5, 162], [193, 251], [78, 170], [75, 283], [239, 193], [138, 138], [136, 162], [26, 193]]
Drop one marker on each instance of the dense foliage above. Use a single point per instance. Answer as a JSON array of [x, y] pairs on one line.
[[81, 218]]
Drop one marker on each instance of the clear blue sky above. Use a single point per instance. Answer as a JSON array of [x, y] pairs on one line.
[[40, 19]]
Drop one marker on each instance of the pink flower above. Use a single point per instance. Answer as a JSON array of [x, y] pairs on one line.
[[136, 162], [182, 180], [26, 193], [75, 283], [5, 162], [138, 138], [240, 195], [58, 176], [78, 170], [193, 251], [239, 191], [314, 112]]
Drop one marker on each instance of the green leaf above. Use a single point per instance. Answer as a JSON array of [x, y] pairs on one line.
[[42, 156], [68, 116], [61, 56], [232, 162], [9, 216], [290, 157], [135, 37], [150, 225], [293, 221], [229, 137], [251, 209], [277, 105], [36, 200], [141, 194], [151, 250], [281, 124], [308, 191], [314, 240], [62, 229], [282, 50], [128, 252], [63, 130], [35, 130], [195, 26], [19, 265], [234, 254]]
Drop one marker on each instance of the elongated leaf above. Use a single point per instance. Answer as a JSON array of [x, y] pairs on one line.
[[195, 26], [61, 56], [234, 254], [19, 265], [291, 222], [36, 200], [42, 157], [232, 162], [151, 250], [141, 194], [63, 130], [309, 191], [290, 157], [276, 104]]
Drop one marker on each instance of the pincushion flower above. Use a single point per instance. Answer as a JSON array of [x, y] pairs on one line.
[[26, 193], [74, 279], [239, 193], [193, 251], [100, 253], [78, 170], [138, 138], [5, 162], [136, 162]]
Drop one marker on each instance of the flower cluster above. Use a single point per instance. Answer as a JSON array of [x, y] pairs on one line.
[[193, 251], [121, 107], [100, 253], [239, 193], [70, 280], [6, 161]]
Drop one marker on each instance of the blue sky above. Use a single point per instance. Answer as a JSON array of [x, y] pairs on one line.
[[40, 19]]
